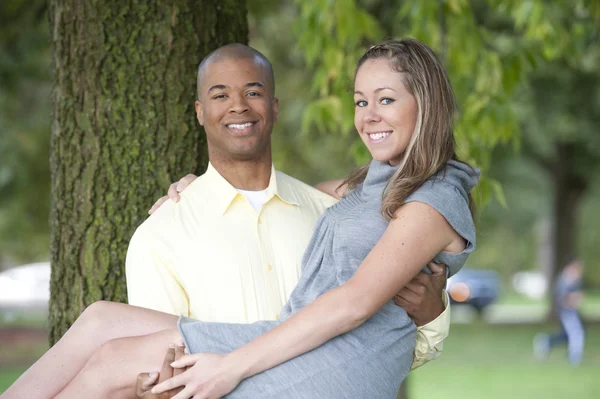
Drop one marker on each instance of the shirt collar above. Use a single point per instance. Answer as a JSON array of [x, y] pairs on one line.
[[224, 193]]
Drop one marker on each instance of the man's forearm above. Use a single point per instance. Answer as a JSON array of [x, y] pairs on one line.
[[431, 336]]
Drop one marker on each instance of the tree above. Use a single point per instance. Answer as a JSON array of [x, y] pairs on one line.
[[560, 134], [123, 128]]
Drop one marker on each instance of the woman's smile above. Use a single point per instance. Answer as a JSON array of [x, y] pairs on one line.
[[378, 137]]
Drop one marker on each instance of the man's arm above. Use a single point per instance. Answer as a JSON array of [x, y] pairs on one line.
[[426, 302], [150, 281]]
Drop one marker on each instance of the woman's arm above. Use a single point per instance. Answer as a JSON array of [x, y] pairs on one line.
[[332, 187], [413, 238], [415, 235]]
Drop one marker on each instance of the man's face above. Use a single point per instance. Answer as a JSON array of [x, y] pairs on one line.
[[237, 108]]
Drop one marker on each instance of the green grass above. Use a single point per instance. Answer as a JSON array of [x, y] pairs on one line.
[[496, 361], [590, 299], [8, 376], [492, 362]]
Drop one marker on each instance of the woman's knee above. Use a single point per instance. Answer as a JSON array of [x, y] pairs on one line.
[[106, 366], [99, 309], [97, 315]]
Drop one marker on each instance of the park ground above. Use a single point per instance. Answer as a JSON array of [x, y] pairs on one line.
[[480, 360]]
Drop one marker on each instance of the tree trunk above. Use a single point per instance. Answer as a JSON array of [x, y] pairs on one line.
[[568, 193], [124, 127]]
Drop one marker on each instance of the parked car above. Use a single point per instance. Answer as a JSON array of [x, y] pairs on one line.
[[25, 287], [477, 288]]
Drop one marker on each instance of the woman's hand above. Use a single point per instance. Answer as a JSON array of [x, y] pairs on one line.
[[211, 376], [174, 190]]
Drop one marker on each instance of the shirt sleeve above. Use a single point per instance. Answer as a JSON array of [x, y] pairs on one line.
[[150, 281], [431, 336]]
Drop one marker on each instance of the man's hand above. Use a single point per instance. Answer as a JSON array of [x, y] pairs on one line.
[[146, 381], [422, 296]]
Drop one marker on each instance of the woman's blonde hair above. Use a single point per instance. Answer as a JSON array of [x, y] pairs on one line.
[[432, 144]]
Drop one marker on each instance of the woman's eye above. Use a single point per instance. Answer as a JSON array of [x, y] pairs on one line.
[[361, 103], [386, 101]]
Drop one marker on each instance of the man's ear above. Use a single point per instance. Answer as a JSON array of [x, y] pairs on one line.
[[275, 108], [199, 112]]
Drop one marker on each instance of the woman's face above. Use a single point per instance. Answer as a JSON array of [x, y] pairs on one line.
[[385, 112]]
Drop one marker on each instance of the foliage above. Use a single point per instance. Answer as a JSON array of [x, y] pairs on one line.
[[313, 138], [24, 130], [486, 46]]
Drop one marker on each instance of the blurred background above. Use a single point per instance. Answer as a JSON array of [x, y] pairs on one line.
[[527, 77]]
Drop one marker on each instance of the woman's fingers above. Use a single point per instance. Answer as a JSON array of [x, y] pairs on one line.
[[171, 383], [157, 204], [173, 193], [177, 187], [185, 181], [186, 393], [179, 353], [185, 361]]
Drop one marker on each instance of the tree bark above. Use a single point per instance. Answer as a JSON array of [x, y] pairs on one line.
[[124, 127]]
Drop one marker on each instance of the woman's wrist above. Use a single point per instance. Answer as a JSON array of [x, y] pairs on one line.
[[239, 365]]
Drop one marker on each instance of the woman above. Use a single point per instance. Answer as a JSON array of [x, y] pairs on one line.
[[339, 335]]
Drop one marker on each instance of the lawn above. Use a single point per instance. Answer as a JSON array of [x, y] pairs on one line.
[[488, 361], [496, 361], [8, 376]]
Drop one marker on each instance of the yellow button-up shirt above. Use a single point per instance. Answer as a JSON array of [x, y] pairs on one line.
[[212, 257]]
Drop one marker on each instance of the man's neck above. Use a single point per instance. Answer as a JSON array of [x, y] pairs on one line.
[[250, 175]]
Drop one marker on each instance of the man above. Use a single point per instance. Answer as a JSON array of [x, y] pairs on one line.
[[230, 250]]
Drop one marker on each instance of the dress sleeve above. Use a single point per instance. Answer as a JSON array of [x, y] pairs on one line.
[[453, 205]]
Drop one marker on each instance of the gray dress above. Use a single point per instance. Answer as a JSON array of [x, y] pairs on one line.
[[372, 360]]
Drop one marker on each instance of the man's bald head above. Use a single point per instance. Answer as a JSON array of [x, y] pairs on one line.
[[236, 51]]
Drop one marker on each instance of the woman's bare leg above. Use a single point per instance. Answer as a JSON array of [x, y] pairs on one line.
[[113, 369], [99, 323]]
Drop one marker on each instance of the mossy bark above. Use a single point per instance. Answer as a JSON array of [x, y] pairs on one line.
[[124, 127]]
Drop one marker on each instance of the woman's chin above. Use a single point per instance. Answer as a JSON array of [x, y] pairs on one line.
[[381, 158]]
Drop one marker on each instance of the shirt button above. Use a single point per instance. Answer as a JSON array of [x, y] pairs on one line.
[[259, 221], [276, 316], [269, 267]]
